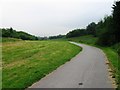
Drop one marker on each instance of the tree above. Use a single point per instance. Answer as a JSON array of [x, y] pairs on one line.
[[76, 33], [57, 37], [9, 32], [116, 20], [108, 30], [91, 29]]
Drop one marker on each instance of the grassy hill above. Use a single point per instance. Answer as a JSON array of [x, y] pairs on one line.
[[25, 62]]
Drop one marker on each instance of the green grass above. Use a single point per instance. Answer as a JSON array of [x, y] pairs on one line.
[[10, 40], [112, 56], [111, 53], [88, 39], [114, 59], [25, 62]]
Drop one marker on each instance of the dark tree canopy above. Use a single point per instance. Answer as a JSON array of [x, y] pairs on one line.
[[116, 20], [9, 32], [76, 33], [108, 30], [57, 36], [91, 29]]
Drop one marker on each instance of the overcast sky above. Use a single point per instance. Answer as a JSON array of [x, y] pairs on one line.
[[52, 17]]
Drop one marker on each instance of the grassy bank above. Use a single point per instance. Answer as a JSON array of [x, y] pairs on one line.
[[25, 62], [111, 53], [89, 39], [114, 62]]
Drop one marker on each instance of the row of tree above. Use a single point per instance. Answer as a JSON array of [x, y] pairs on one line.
[[9, 32], [110, 27], [90, 29], [57, 36], [107, 30], [76, 33]]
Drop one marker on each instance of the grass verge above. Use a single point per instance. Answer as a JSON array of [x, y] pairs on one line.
[[114, 60]]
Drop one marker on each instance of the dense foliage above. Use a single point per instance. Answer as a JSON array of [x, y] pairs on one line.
[[76, 33], [104, 30], [107, 30], [110, 27], [9, 32], [90, 29], [116, 21], [57, 37]]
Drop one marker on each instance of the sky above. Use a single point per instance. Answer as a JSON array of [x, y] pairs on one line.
[[52, 17]]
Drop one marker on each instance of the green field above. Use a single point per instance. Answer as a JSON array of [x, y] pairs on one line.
[[110, 52], [25, 62]]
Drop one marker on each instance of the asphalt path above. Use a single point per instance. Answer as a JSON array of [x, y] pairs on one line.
[[85, 70]]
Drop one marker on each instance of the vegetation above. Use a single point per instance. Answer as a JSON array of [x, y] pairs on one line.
[[57, 37], [116, 21], [91, 29], [9, 32], [88, 39], [105, 32], [25, 62], [10, 40], [76, 33]]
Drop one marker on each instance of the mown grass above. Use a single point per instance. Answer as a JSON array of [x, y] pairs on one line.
[[25, 62], [110, 52], [112, 56]]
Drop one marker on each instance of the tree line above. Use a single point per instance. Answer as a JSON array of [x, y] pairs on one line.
[[56, 37], [9, 32], [107, 30]]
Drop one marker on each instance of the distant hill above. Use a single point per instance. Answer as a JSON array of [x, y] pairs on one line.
[[9, 32]]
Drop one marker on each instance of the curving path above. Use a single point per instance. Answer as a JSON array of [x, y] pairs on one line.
[[85, 70]]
